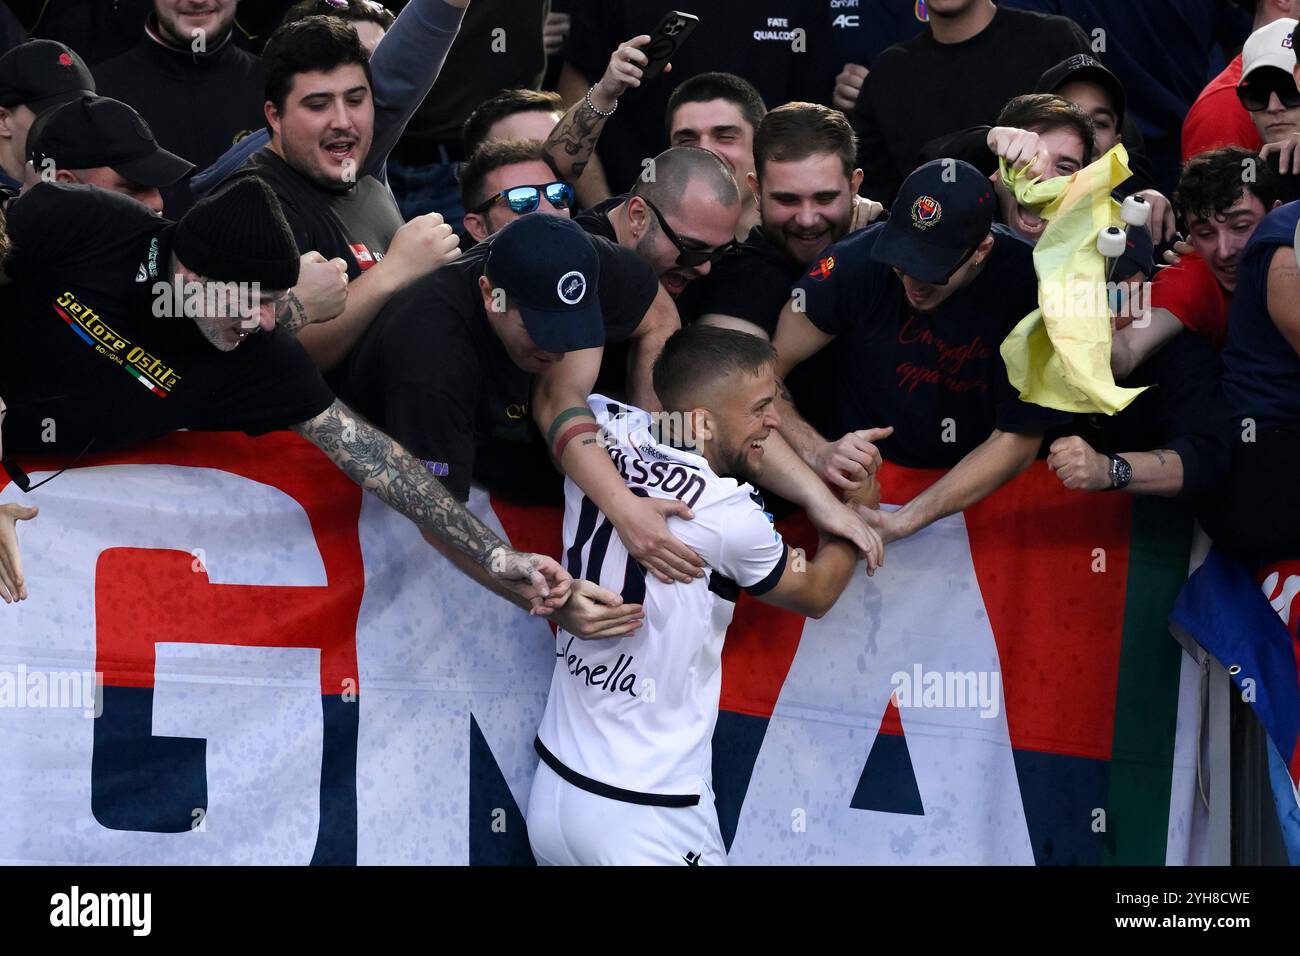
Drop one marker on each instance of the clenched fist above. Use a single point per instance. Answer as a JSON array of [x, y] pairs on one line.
[[848, 86], [422, 245], [320, 295], [1078, 466], [1022, 149]]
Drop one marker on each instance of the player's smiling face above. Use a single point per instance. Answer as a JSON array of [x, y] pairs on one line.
[[741, 420]]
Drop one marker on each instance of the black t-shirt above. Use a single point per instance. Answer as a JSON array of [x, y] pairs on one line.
[[754, 284], [355, 224], [198, 105], [595, 219], [862, 29], [920, 90], [751, 38], [431, 372], [1184, 411], [936, 376], [86, 349]]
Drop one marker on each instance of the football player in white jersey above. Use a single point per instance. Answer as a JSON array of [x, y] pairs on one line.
[[625, 743]]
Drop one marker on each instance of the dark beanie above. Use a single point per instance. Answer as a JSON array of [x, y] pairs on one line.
[[239, 234]]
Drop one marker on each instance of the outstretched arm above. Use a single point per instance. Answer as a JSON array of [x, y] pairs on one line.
[[811, 588], [405, 66], [383, 467], [984, 470]]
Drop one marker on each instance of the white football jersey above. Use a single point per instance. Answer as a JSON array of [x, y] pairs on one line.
[[633, 717]]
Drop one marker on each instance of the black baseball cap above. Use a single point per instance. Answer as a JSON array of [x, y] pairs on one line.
[[41, 74], [550, 270], [1082, 67], [97, 131], [942, 212]]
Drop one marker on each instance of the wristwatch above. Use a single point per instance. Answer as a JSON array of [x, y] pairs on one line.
[[1121, 473]]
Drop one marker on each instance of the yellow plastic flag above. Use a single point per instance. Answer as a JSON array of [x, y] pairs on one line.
[[1058, 356]]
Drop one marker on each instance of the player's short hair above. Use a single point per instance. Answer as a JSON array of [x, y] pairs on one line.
[[307, 45], [1213, 182], [796, 131], [491, 156], [676, 168], [352, 11], [718, 86], [1045, 112], [506, 103], [698, 355]]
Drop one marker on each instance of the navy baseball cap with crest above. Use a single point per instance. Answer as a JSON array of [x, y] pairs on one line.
[[943, 211], [550, 271]]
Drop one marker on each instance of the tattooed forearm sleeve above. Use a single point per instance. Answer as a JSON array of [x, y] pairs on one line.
[[573, 139], [380, 465]]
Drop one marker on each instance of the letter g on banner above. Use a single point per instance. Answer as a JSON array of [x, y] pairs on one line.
[[282, 579]]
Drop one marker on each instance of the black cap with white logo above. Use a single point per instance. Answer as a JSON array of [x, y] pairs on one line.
[[41, 74], [550, 271], [98, 131]]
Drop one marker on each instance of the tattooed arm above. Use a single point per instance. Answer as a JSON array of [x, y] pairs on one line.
[[574, 137], [386, 469], [320, 295]]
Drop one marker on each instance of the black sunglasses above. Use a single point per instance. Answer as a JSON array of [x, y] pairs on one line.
[[523, 199], [689, 256], [1254, 94]]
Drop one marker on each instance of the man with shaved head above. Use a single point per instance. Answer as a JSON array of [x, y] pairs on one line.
[[680, 216]]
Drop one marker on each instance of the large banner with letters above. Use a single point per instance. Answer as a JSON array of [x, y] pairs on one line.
[[232, 655]]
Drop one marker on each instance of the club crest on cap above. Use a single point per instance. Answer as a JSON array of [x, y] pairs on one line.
[[926, 211], [571, 287]]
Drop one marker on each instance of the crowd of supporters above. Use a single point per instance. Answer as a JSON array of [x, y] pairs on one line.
[[423, 236]]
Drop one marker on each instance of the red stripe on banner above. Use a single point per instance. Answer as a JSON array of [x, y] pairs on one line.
[[892, 721], [762, 639], [144, 595], [1058, 622], [536, 528]]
